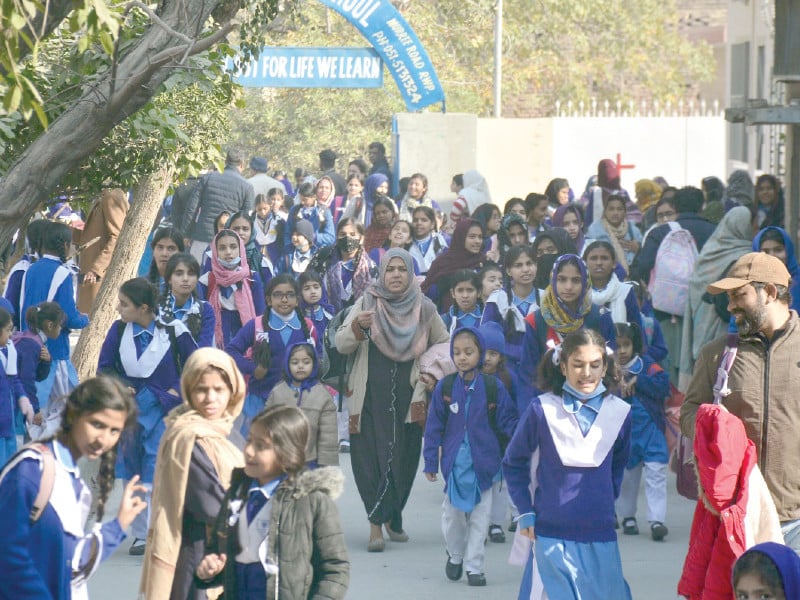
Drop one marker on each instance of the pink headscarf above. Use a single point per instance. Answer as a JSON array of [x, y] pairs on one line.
[[222, 277]]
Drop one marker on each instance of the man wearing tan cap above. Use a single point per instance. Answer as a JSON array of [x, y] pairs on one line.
[[764, 379]]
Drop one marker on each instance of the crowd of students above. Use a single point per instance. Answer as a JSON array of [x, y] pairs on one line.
[[527, 331]]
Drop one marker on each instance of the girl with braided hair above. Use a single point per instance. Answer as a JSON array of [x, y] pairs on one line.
[[47, 550], [181, 302], [260, 346], [148, 356]]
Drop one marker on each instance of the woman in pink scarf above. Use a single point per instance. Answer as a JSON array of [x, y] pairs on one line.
[[235, 293]]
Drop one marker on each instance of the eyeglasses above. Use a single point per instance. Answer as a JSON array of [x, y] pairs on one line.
[[284, 295]]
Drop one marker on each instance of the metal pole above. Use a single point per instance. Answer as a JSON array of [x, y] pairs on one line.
[[498, 57]]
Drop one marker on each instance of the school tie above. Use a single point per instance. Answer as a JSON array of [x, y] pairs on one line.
[[308, 213], [146, 337], [255, 503], [226, 292]]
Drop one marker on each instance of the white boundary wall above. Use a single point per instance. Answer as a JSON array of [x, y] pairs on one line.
[[518, 156]]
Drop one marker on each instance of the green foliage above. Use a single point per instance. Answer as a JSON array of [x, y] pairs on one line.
[[22, 22], [182, 126], [553, 51]]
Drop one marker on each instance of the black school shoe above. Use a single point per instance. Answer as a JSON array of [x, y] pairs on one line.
[[496, 534], [137, 547], [658, 531], [629, 526], [476, 579], [453, 571]]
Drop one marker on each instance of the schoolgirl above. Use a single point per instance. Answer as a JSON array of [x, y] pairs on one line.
[[235, 293], [33, 359], [608, 292], [181, 301], [312, 301], [258, 262], [33, 250], [375, 187], [44, 541], [470, 454], [569, 217], [301, 388], [645, 386], [50, 280], [259, 348], [767, 570], [513, 232], [465, 252], [614, 227], [346, 269], [428, 242], [269, 224], [12, 394], [148, 356], [416, 195], [297, 260], [278, 533], [219, 224], [308, 210], [489, 216], [467, 308], [566, 307], [353, 205], [491, 279], [569, 453], [193, 470], [508, 307], [166, 242], [384, 214], [327, 199], [400, 236]]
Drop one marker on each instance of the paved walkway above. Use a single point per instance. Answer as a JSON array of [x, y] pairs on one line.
[[416, 569]]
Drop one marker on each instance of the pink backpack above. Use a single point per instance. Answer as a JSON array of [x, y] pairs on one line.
[[669, 279]]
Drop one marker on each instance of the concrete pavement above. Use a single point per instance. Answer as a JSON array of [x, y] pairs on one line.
[[416, 569]]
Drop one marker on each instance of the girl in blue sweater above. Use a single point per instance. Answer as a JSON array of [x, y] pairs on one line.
[[149, 357], [33, 362], [182, 303], [46, 552], [564, 468], [645, 386], [463, 424], [260, 346], [12, 394], [49, 279]]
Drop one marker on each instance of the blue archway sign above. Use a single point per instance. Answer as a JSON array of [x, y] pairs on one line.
[[402, 53]]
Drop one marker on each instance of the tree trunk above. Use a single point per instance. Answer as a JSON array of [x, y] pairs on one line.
[[148, 195], [113, 96]]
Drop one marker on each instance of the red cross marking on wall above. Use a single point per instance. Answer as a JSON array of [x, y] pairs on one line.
[[620, 166]]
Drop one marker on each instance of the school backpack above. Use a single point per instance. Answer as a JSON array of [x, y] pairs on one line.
[[491, 403], [337, 365], [46, 482], [682, 461], [669, 279]]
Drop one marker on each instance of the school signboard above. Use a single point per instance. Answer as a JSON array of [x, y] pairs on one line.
[[402, 53], [306, 67]]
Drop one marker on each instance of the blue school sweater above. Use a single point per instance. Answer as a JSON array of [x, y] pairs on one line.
[[30, 368], [36, 290], [245, 339], [446, 428], [39, 555], [14, 288], [164, 378], [571, 503]]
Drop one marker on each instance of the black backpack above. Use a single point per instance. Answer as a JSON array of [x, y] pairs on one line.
[[337, 365]]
